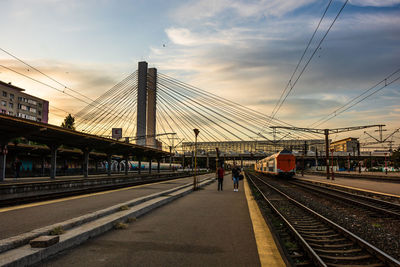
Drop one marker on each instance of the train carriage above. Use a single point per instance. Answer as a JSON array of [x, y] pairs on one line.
[[282, 164]]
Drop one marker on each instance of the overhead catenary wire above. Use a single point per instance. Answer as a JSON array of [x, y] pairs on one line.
[[356, 100], [310, 58], [273, 113]]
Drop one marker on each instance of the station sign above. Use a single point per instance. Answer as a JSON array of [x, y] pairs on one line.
[[117, 133]]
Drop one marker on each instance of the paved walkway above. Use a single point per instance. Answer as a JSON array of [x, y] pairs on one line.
[[205, 228], [376, 186]]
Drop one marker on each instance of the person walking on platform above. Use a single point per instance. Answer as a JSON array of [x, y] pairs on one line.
[[235, 178], [220, 175]]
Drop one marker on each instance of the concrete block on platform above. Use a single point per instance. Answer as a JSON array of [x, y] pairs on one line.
[[44, 241]]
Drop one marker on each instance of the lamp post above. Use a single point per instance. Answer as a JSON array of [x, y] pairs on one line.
[[196, 133]]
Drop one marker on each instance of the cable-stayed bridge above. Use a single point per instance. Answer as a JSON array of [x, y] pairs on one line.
[[159, 111]]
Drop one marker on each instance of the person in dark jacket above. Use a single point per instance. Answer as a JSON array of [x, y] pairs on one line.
[[220, 175], [235, 178]]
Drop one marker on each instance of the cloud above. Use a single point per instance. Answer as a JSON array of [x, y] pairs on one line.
[[249, 60], [375, 3], [88, 80], [207, 9]]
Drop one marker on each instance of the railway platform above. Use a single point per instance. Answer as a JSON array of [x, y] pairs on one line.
[[205, 228], [391, 189]]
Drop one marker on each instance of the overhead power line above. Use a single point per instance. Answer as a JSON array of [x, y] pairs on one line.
[[388, 80], [293, 84], [300, 60]]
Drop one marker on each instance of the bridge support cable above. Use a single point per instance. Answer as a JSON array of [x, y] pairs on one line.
[[92, 120], [217, 116], [126, 109], [185, 112], [181, 131], [109, 102], [209, 97], [95, 117], [184, 117], [103, 120], [192, 119], [206, 116], [117, 106], [86, 110]]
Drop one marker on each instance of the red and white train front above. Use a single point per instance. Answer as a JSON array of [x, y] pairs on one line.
[[282, 163]]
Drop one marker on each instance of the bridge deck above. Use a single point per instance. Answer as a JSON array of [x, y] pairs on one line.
[[205, 228]]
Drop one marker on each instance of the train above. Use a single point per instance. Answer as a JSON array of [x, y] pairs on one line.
[[281, 164]]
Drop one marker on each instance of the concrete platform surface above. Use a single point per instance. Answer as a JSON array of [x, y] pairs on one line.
[[205, 228], [23, 218], [370, 185]]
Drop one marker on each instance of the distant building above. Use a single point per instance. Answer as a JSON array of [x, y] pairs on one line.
[[246, 147], [14, 102], [349, 144]]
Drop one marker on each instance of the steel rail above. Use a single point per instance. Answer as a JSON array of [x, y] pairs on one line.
[[308, 249], [384, 257], [331, 192]]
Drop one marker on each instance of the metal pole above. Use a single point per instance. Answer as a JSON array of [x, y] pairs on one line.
[[385, 164], [170, 157], [333, 173], [53, 161], [196, 132], [3, 155], [326, 132]]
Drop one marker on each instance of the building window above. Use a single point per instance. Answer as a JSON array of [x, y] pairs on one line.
[[33, 110], [10, 105], [33, 102], [39, 113], [40, 105], [20, 98], [38, 119], [4, 93], [3, 103], [10, 113], [3, 111], [11, 96]]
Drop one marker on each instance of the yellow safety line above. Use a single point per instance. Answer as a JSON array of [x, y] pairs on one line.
[[350, 187], [267, 250], [41, 203]]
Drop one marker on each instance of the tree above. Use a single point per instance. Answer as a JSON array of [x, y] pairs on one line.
[[69, 122], [396, 157]]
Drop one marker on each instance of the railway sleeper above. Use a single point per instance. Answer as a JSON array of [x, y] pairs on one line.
[[320, 236], [326, 240], [313, 245], [317, 232], [356, 265], [337, 251], [346, 258]]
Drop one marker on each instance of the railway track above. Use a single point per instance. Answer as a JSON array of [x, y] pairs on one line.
[[372, 204], [325, 242]]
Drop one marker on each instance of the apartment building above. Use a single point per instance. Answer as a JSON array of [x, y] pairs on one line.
[[349, 144], [14, 102]]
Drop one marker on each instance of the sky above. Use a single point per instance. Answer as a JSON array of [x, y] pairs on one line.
[[245, 51]]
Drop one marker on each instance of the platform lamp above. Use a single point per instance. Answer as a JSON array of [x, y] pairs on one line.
[[196, 133]]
